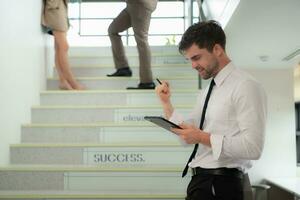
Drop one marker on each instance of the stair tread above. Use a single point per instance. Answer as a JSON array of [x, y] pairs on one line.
[[133, 66], [67, 145], [83, 194], [104, 106], [93, 168], [100, 124], [129, 78], [113, 91], [128, 55]]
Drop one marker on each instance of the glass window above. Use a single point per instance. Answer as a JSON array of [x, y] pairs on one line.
[[94, 26], [195, 20], [169, 9], [73, 10], [158, 40], [165, 40], [166, 26], [101, 10], [195, 9], [90, 21]]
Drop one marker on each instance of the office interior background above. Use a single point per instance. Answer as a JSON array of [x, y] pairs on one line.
[[262, 38]]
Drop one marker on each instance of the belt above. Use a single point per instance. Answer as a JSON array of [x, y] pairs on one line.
[[233, 172]]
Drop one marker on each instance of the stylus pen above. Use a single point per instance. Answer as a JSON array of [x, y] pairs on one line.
[[158, 81]]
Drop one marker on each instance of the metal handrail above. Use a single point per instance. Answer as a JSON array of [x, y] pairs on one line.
[[202, 16]]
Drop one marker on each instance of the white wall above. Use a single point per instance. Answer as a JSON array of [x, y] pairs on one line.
[[22, 71], [279, 155], [297, 83], [220, 11]]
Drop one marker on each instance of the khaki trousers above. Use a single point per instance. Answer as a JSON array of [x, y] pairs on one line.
[[138, 17]]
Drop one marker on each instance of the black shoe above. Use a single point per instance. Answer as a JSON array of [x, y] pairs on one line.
[[126, 71], [143, 86]]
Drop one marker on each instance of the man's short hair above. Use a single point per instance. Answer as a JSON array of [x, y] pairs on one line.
[[204, 34]]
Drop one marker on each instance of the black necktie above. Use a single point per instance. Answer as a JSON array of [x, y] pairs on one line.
[[212, 83]]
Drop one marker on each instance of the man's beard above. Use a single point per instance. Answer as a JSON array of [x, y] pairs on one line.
[[211, 70]]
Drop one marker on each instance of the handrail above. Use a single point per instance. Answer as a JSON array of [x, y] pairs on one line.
[[202, 16]]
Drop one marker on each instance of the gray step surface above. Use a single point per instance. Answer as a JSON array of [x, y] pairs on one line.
[[156, 59], [107, 180], [100, 154], [114, 97], [157, 70], [130, 50], [103, 133], [104, 83], [82, 195], [95, 114]]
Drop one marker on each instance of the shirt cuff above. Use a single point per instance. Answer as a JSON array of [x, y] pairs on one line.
[[216, 142], [176, 118]]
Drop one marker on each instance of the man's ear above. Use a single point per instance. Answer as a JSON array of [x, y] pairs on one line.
[[218, 50]]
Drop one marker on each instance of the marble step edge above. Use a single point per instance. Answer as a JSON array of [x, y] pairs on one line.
[[81, 195], [89, 168], [88, 125], [154, 65], [183, 91], [108, 107], [102, 145], [129, 55], [130, 78]]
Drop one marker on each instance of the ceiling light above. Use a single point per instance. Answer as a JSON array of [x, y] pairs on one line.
[[264, 58], [292, 55]]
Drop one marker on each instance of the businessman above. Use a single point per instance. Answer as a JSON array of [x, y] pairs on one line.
[[227, 124]]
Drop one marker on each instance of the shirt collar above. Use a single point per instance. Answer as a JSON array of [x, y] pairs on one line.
[[223, 74]]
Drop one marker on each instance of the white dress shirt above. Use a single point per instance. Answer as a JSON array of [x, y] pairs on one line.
[[235, 118]]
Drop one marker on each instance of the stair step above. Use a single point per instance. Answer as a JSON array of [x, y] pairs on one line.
[[94, 114], [130, 50], [99, 154], [115, 97], [133, 60], [103, 83], [108, 133], [82, 195], [150, 180], [158, 70]]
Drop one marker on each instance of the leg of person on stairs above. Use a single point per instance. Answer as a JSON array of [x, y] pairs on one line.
[[66, 78]]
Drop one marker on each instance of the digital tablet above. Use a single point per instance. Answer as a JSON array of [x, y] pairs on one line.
[[162, 122]]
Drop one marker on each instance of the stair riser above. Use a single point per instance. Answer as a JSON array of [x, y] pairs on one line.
[[96, 61], [94, 115], [118, 84], [114, 98], [102, 135], [107, 182], [88, 198], [31, 180], [130, 51], [157, 72], [137, 182], [118, 156]]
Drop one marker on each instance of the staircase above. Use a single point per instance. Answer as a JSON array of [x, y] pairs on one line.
[[95, 144]]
